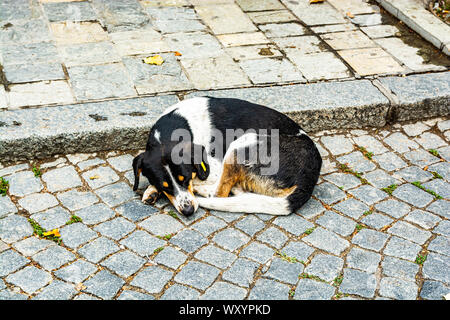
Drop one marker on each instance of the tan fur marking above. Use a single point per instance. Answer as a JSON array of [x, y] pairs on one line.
[[181, 178]]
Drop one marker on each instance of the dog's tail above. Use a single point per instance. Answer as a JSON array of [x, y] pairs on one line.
[[248, 203]]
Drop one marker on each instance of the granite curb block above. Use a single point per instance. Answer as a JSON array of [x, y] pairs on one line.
[[418, 18], [124, 124]]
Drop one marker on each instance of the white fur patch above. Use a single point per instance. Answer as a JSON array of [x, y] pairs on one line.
[[157, 136]]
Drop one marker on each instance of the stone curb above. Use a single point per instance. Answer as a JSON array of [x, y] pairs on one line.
[[124, 124], [421, 21]]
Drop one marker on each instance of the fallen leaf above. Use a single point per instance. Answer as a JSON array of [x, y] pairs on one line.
[[265, 52], [54, 232], [316, 1], [350, 15], [425, 168], [157, 60], [94, 177], [178, 54], [80, 287]]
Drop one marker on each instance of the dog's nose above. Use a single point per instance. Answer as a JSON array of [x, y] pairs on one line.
[[188, 210]]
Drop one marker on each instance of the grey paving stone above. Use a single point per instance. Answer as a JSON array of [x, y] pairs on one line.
[[224, 291], [429, 140], [116, 194], [284, 271], [273, 237], [437, 267], [100, 177], [25, 31], [10, 295], [161, 224], [124, 263], [69, 11], [337, 144], [308, 289], [293, 224], [275, 30], [76, 234], [34, 72], [241, 272], [443, 168], [440, 245], [23, 183], [298, 250], [444, 152], [324, 266], [326, 240], [194, 45], [257, 252], [121, 163], [76, 272], [352, 208], [443, 228], [84, 296], [170, 257], [98, 249], [216, 256], [95, 214], [134, 295], [393, 208], [433, 290], [11, 261], [311, 209], [346, 181], [198, 275], [409, 232], [400, 248], [252, 5], [14, 228], [29, 53], [135, 210], [389, 161], [357, 162], [421, 158], [397, 268], [83, 165], [314, 15], [164, 19], [14, 168], [336, 223], [423, 218], [142, 243], [179, 292], [440, 207], [400, 143], [61, 179], [398, 289], [31, 245], [38, 202], [154, 79], [6, 206], [116, 228], [52, 218], [270, 70], [57, 290], [376, 220], [413, 173], [269, 290], [370, 143], [209, 225], [359, 283], [53, 257], [370, 239], [250, 225], [3, 246], [363, 260], [231, 239], [328, 193], [413, 195], [76, 200], [368, 194], [188, 240], [104, 284], [186, 220], [439, 186], [30, 279]]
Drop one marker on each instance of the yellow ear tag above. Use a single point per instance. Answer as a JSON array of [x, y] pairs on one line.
[[203, 166]]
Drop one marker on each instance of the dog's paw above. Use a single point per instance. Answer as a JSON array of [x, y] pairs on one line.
[[150, 195]]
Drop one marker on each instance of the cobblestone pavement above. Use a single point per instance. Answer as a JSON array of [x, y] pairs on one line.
[[377, 227], [60, 52]]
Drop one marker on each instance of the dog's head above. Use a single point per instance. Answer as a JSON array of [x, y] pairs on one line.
[[171, 168]]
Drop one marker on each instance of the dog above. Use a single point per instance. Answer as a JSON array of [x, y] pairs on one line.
[[186, 155]]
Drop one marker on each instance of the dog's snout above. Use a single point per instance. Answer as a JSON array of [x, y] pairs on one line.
[[188, 209]]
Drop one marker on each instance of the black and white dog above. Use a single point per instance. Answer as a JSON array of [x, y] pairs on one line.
[[214, 147]]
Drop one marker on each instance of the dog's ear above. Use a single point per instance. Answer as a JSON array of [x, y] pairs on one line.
[[137, 168], [201, 164]]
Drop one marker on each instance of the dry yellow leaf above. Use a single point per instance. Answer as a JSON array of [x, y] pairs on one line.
[[350, 15], [316, 1], [94, 177], [54, 232], [177, 54], [158, 60]]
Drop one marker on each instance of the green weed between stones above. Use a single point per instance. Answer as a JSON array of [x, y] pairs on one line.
[[345, 169], [366, 153], [420, 186], [434, 153], [338, 280], [74, 219], [310, 276], [39, 231], [285, 257], [436, 175], [366, 213], [166, 237], [173, 214], [309, 231], [37, 172], [157, 250], [4, 186], [390, 189], [420, 259]]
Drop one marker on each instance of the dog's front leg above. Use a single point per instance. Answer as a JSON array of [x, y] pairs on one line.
[[150, 195]]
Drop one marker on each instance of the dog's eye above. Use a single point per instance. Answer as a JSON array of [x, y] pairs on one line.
[[165, 184], [181, 178]]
